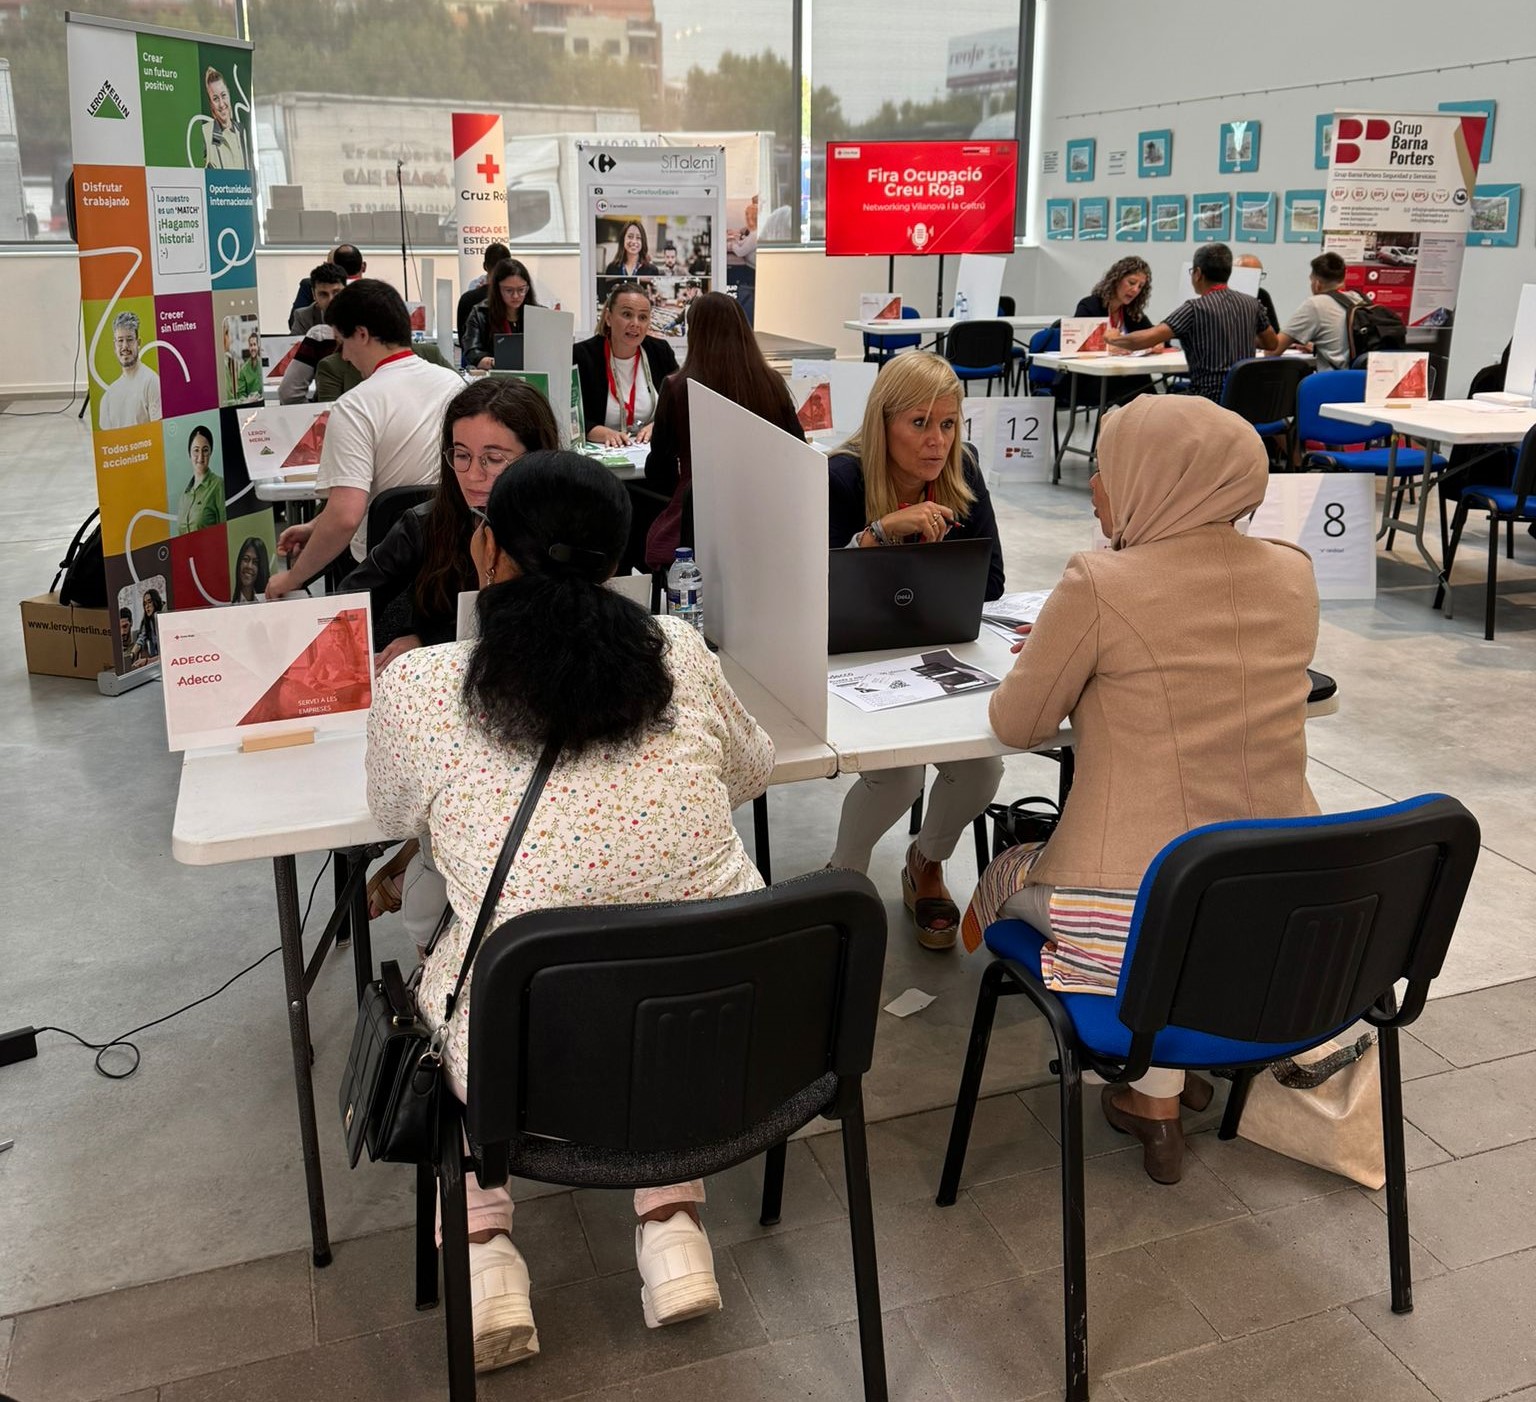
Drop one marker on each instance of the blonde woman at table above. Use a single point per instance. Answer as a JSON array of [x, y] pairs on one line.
[[622, 369], [905, 477], [1179, 657], [655, 753]]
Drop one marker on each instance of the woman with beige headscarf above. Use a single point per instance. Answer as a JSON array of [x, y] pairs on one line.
[[1179, 656]]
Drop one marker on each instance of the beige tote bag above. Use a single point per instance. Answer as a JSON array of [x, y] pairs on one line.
[[1322, 1107]]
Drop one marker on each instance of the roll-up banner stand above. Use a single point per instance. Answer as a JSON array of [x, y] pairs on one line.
[[480, 177], [655, 215], [160, 127]]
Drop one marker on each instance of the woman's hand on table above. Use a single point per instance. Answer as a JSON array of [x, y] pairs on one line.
[[400, 645], [927, 519], [644, 435], [609, 437], [1023, 630]]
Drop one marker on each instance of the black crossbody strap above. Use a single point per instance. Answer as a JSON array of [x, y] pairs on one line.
[[498, 880]]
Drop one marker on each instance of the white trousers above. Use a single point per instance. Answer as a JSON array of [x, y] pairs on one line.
[[880, 798]]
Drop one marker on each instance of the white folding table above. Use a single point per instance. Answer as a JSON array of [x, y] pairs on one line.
[[1103, 368]]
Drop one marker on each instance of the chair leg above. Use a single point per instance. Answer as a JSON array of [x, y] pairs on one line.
[[773, 1184], [1236, 1101], [458, 1316], [426, 1237], [1493, 574], [1074, 1240], [861, 1228], [916, 825], [1068, 771], [970, 1082], [1398, 1251], [1509, 539], [760, 844], [983, 848], [1457, 522]]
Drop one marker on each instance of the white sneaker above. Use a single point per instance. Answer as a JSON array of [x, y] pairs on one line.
[[678, 1269], [498, 1292]]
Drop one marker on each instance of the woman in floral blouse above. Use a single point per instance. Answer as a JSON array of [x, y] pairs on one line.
[[656, 751]]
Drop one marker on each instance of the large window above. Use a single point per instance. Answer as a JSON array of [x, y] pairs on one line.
[[353, 96]]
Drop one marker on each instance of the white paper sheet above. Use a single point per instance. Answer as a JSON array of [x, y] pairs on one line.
[[904, 681], [914, 1000]]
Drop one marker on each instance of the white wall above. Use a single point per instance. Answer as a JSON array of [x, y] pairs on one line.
[[1111, 71]]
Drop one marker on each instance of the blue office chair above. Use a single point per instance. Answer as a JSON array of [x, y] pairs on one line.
[[1516, 502], [1250, 941], [879, 349], [1019, 357]]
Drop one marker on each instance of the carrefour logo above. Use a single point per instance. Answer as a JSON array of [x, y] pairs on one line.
[[108, 104]]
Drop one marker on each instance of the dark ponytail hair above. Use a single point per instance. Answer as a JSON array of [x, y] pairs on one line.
[[561, 656]]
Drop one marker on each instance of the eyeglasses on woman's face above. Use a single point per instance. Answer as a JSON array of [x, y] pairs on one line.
[[492, 462]]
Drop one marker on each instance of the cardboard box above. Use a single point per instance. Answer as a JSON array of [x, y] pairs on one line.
[[64, 640]]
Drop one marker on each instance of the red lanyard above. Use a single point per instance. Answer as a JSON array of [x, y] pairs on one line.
[[390, 359], [928, 495], [613, 386]]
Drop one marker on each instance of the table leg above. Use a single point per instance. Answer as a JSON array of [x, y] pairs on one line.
[[1093, 443], [339, 874], [362, 932], [286, 874], [760, 837], [1061, 451], [1386, 498], [1427, 482]]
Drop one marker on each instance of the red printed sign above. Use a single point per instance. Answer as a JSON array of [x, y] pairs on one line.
[[889, 197]]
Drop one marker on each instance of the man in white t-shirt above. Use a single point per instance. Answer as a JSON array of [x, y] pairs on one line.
[[1321, 323], [133, 398], [384, 433]]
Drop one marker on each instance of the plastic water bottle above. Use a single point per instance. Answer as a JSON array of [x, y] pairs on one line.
[[685, 589]]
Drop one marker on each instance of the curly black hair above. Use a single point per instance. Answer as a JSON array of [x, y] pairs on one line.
[[560, 655]]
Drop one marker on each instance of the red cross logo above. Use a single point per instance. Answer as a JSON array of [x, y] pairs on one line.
[[489, 169]]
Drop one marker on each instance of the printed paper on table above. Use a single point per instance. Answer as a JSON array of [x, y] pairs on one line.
[[879, 306], [1396, 377], [904, 681], [1084, 335], [283, 440]]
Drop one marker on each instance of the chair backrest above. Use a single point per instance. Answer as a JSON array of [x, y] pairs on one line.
[[975, 345], [1525, 471], [1043, 342], [1285, 930], [467, 303], [884, 347], [649, 1028], [389, 506], [1263, 389], [1006, 306], [1333, 387]]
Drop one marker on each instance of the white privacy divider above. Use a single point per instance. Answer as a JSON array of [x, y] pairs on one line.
[[978, 285], [760, 523], [548, 336]]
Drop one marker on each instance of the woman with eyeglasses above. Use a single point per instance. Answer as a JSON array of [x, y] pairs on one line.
[[507, 291], [622, 369]]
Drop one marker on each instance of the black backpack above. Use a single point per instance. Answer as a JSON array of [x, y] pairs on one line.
[[83, 569], [1370, 327]]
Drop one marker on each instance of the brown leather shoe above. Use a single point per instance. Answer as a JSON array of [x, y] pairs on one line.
[[1162, 1141]]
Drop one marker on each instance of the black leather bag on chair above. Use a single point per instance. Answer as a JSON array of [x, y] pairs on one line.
[[393, 1085], [1031, 819]]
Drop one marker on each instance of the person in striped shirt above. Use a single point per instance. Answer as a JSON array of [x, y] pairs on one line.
[[1217, 327]]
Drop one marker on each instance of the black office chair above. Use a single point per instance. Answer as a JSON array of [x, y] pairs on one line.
[[467, 303], [636, 1046], [1506, 505], [981, 350], [1251, 941], [1263, 391], [1477, 465]]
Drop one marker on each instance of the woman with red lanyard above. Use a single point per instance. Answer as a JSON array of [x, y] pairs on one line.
[[906, 477], [1120, 298], [622, 369]]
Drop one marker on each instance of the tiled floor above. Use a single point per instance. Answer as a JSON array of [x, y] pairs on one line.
[[1256, 1278]]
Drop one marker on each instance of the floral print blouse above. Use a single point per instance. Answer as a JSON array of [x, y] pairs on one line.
[[649, 822]]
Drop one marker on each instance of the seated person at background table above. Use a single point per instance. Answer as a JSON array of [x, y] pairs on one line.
[[202, 499], [1321, 323], [906, 477], [335, 374], [325, 281], [622, 369], [494, 253], [1217, 327], [1120, 297], [498, 313], [1252, 260], [251, 571], [1179, 657], [723, 355], [346, 257], [647, 725], [383, 434]]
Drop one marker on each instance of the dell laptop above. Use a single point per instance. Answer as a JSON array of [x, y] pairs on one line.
[[906, 596], [509, 352]]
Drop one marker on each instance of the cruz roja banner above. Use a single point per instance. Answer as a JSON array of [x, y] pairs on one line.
[[480, 177], [166, 214], [653, 215], [1399, 206]]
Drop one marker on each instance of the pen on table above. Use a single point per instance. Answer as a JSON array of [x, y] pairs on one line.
[[6, 1144]]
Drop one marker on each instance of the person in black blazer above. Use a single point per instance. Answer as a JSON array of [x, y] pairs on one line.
[[906, 477], [1120, 297], [622, 369]]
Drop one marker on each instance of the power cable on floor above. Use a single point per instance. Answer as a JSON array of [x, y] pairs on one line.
[[102, 1048]]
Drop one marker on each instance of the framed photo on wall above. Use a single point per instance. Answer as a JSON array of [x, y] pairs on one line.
[[1322, 146], [1154, 154], [1210, 217], [1080, 156], [1060, 219], [1254, 218], [1131, 220], [1304, 216], [1168, 216], [1239, 153], [1093, 218], [1495, 217]]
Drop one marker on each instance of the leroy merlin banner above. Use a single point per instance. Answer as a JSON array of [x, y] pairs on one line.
[[1399, 207], [479, 156], [166, 213]]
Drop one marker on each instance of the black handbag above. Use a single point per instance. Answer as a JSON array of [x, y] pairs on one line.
[[1031, 819], [392, 1087]]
